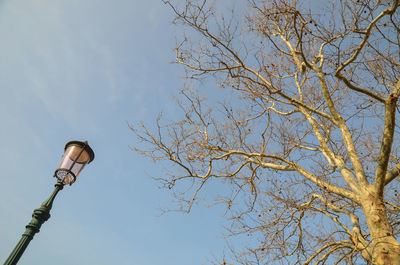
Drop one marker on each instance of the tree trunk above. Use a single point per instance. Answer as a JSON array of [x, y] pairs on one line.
[[385, 248]]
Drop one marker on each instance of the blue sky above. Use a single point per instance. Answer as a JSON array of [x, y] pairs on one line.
[[80, 70]]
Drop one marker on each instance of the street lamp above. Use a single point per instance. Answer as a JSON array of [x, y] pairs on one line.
[[76, 155]]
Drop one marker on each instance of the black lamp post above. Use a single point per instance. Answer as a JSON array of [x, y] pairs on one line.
[[76, 155]]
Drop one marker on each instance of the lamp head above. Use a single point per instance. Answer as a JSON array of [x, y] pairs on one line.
[[76, 155]]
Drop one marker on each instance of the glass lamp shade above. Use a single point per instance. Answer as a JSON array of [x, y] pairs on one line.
[[76, 155]]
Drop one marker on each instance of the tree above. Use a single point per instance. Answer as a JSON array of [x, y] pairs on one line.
[[306, 137]]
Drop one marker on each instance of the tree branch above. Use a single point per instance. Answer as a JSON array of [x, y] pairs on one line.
[[387, 139]]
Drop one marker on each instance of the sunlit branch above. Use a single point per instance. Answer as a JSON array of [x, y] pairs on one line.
[[346, 134], [392, 174], [367, 34], [333, 159], [333, 245], [387, 141]]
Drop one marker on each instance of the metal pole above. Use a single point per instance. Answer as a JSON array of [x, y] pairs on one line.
[[39, 216]]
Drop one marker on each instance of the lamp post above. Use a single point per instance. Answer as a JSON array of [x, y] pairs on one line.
[[76, 155]]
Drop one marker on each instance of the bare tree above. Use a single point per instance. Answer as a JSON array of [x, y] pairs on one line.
[[305, 138]]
